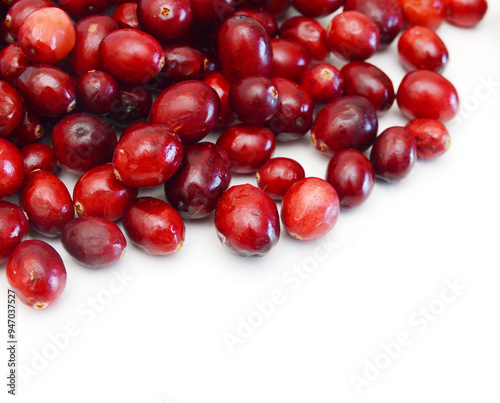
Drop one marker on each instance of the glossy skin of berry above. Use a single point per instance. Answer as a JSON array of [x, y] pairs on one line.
[[96, 92], [212, 10], [432, 137], [82, 8], [201, 180], [263, 16], [290, 59], [424, 13], [29, 130], [316, 8], [348, 122], [11, 169], [14, 228], [126, 16], [465, 13], [38, 156], [12, 63], [277, 175], [307, 32], [393, 154], [220, 83], [182, 63], [133, 104], [427, 94], [323, 82], [154, 226], [20, 10], [11, 108], [36, 272], [310, 209], [247, 221], [94, 241], [352, 176]]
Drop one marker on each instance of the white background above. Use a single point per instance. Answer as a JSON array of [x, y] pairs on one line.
[[161, 337]]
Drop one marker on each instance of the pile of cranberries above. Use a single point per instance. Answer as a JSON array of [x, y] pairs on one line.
[[166, 73]]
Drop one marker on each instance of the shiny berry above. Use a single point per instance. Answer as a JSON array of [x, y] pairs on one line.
[[96, 92], [309, 33], [38, 156], [30, 130], [290, 59], [425, 13], [220, 83], [432, 137], [133, 104], [20, 10], [465, 13], [12, 63], [182, 63], [11, 169], [14, 228], [263, 16], [126, 16], [11, 108], [277, 175], [323, 82], [316, 8]]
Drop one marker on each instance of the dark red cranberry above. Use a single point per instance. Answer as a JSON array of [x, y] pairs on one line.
[[191, 108], [82, 8], [393, 154], [94, 241], [47, 203], [126, 16], [96, 92], [11, 169], [278, 8], [294, 117], [465, 13], [421, 48], [248, 147], [370, 82], [36, 272], [247, 221], [11, 109], [212, 10], [220, 83], [47, 90], [29, 131], [277, 175], [263, 16], [14, 228], [134, 103], [253, 100], [432, 137], [12, 63], [323, 82], [182, 63], [154, 226], [426, 94], [309, 33], [290, 59], [316, 8], [310, 209], [348, 122], [201, 180], [425, 13], [352, 36], [20, 10], [244, 48], [38, 156], [147, 156]]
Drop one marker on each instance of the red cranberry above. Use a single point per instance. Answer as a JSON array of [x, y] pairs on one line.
[[38, 156], [182, 63], [309, 33], [465, 13], [11, 108], [278, 8], [201, 180], [147, 156], [317, 8], [93, 241], [263, 16], [425, 13], [323, 82], [247, 221], [126, 16], [47, 203], [290, 59], [393, 154], [212, 10], [248, 147], [220, 83], [29, 131], [294, 117], [432, 137], [348, 122], [11, 169], [96, 91], [20, 10], [191, 108], [352, 36], [47, 90], [12, 63], [421, 48], [352, 176], [90, 31], [14, 228], [36, 272], [134, 103], [370, 82], [253, 100], [426, 94], [244, 48], [154, 227], [277, 175], [310, 209], [82, 8]]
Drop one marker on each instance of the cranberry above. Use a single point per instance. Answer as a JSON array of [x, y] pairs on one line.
[[277, 175], [90, 31], [294, 117], [290, 59], [247, 221], [11, 169], [140, 61], [126, 16], [134, 103], [323, 82], [201, 180], [212, 10], [278, 8], [12, 63], [20, 10], [426, 94], [263, 16], [82, 8], [348, 122], [93, 241], [317, 8], [248, 147], [370, 82], [425, 13], [220, 83], [465, 13], [432, 137], [310, 209], [130, 128], [47, 90], [36, 272], [182, 63], [38, 156], [191, 108], [147, 156], [154, 227], [47, 203], [14, 228], [11, 109], [166, 20], [421, 48], [5, 36], [120, 2], [96, 91], [352, 36], [29, 131], [393, 154], [309, 33], [244, 48], [352, 176], [253, 100]]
